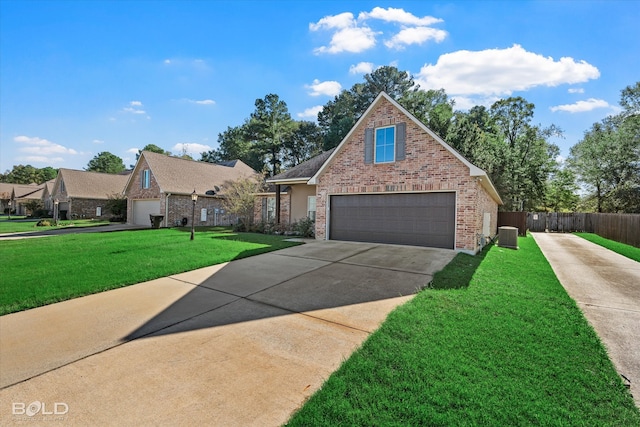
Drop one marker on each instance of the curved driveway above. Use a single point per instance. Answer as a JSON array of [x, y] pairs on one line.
[[243, 343], [606, 287]]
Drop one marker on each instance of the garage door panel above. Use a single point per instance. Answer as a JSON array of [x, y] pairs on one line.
[[419, 219], [142, 209]]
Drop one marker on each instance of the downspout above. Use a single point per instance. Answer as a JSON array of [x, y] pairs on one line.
[[166, 210]]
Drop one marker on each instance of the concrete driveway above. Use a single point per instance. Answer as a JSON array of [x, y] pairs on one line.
[[606, 287], [243, 343]]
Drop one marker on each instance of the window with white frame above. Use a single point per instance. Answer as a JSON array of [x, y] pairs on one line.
[[385, 144], [99, 211], [269, 209], [146, 178], [311, 207]]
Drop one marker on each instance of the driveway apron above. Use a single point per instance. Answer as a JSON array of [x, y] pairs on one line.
[[606, 287], [242, 343]]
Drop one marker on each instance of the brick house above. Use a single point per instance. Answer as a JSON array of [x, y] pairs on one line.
[[392, 180], [83, 194], [162, 185]]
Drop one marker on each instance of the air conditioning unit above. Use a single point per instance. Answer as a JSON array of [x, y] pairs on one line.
[[508, 237]]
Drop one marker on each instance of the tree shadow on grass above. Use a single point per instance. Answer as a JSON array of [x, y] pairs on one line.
[[459, 272]]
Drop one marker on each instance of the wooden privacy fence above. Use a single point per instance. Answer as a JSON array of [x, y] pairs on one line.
[[624, 228]]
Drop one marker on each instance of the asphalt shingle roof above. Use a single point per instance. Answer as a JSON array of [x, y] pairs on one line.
[[305, 169], [92, 185], [181, 176]]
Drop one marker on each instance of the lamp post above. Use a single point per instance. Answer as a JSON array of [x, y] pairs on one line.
[[56, 210], [9, 209], [194, 199]]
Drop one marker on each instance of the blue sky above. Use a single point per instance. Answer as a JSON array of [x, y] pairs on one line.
[[81, 77]]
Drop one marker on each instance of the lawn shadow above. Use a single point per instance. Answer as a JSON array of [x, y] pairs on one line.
[[459, 272]]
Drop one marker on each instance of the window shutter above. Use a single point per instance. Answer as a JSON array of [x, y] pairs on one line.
[[368, 145], [264, 209], [401, 130]]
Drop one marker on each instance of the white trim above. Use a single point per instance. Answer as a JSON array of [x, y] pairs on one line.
[[375, 139], [288, 181]]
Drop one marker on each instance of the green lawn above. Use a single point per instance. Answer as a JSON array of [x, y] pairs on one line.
[[40, 271], [22, 225], [621, 248], [496, 341]]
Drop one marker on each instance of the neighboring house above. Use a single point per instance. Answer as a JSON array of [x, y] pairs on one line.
[[6, 190], [82, 194], [47, 200], [22, 194], [392, 180], [162, 185]]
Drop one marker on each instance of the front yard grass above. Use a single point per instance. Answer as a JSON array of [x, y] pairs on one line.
[[23, 225], [41, 271], [623, 249], [496, 341]]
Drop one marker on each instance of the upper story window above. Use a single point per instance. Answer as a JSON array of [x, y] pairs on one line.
[[146, 178], [385, 145]]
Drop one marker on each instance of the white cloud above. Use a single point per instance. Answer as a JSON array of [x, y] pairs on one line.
[[191, 148], [353, 39], [135, 104], [415, 35], [582, 106], [361, 68], [98, 141], [466, 102], [357, 35], [328, 88], [398, 16], [202, 102], [311, 113], [496, 72], [39, 150], [135, 107], [133, 150], [575, 90]]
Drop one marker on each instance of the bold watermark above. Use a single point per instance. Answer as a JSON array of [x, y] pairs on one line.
[[37, 407]]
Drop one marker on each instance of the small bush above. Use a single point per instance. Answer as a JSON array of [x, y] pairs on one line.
[[305, 227], [43, 223]]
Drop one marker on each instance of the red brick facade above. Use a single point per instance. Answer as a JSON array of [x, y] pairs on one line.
[[428, 167]]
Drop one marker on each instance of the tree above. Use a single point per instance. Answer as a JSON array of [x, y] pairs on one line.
[[106, 162], [240, 195], [234, 144], [431, 107], [117, 204], [607, 160], [561, 194], [304, 143], [270, 125], [33, 205], [28, 174]]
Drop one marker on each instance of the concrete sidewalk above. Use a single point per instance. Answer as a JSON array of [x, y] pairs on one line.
[[244, 343], [606, 287]]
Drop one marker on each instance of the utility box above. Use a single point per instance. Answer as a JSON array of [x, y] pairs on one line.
[[508, 237]]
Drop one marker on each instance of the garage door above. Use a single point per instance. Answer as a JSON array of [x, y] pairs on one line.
[[417, 219], [142, 209]]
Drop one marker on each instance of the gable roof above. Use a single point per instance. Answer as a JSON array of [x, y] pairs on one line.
[[474, 171], [27, 191], [302, 172], [89, 185], [181, 176]]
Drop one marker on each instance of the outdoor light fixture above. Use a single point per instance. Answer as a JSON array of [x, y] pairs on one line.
[[194, 198], [9, 210], [56, 211]]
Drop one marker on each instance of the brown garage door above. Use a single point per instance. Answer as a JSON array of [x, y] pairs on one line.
[[417, 219]]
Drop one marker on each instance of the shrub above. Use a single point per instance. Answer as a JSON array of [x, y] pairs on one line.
[[43, 223], [305, 227]]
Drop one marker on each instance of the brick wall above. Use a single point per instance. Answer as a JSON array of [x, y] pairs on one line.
[[181, 206], [285, 207], [428, 167], [86, 208], [136, 192]]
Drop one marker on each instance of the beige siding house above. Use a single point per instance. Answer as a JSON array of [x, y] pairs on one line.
[[162, 185], [393, 180], [82, 194]]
